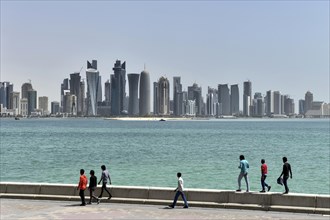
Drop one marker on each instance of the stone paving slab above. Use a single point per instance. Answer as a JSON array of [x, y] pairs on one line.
[[46, 209]]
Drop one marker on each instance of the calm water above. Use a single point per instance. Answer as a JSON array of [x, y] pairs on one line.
[[150, 153]]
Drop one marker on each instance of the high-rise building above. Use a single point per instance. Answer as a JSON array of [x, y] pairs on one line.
[[64, 87], [277, 102], [156, 98], [5, 89], [75, 89], [288, 105], [211, 100], [308, 101], [14, 102], [25, 88], [177, 89], [92, 77], [118, 85], [301, 106], [68, 103], [43, 105], [164, 96], [32, 101], [133, 102], [144, 102], [195, 93], [247, 98], [234, 100], [270, 103], [107, 91], [99, 91], [55, 108], [224, 99]]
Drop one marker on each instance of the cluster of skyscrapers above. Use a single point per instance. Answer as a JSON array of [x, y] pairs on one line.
[[80, 98]]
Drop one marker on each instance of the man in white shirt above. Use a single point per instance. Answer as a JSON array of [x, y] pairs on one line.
[[179, 191]]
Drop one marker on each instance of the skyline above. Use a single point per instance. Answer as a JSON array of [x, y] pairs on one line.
[[276, 45]]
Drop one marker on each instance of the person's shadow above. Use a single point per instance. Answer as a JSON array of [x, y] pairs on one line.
[[71, 205]]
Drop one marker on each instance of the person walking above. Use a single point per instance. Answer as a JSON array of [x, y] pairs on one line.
[[286, 172], [92, 186], [104, 178], [244, 166], [264, 172], [82, 186], [179, 191]]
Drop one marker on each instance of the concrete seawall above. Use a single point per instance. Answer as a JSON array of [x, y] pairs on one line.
[[305, 203]]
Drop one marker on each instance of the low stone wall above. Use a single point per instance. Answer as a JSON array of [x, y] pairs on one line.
[[310, 203]]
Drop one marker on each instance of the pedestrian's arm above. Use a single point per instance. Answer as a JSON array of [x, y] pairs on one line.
[[100, 180], [109, 179], [290, 171]]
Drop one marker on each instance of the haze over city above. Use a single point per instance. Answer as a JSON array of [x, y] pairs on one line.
[[276, 45]]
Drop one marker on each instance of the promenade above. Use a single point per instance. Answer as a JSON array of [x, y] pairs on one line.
[[50, 209]]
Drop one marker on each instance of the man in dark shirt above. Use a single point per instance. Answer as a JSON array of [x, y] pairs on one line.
[[92, 186], [285, 173]]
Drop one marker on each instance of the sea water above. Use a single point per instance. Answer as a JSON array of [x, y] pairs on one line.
[[150, 153]]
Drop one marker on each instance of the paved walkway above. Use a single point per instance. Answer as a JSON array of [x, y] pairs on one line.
[[45, 209]]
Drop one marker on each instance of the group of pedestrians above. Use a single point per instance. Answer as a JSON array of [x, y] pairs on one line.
[[82, 185], [243, 166], [282, 179]]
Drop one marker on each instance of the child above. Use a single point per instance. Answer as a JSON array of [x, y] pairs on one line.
[[82, 186], [179, 191], [264, 171], [92, 186]]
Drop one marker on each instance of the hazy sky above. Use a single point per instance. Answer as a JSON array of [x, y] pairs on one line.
[[277, 45]]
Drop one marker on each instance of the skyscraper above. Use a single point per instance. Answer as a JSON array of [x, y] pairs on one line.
[[14, 102], [107, 91], [144, 102], [234, 100], [177, 88], [247, 98], [92, 77], [32, 101], [5, 89], [118, 85], [25, 88], [195, 93], [133, 102], [277, 102], [64, 87], [75, 89], [55, 108], [164, 96], [156, 98], [270, 103], [224, 99], [308, 101], [43, 105], [211, 100]]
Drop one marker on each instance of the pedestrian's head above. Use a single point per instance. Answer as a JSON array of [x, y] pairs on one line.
[[92, 172], [178, 175], [241, 157], [284, 159], [82, 171], [103, 167], [262, 161]]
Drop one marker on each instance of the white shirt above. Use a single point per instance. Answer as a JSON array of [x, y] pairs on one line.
[[180, 184]]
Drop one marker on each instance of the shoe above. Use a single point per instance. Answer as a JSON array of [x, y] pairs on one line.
[[89, 203], [185, 207], [269, 187], [171, 206], [99, 197], [83, 204], [109, 197], [285, 192], [238, 190], [262, 191], [247, 191], [98, 201]]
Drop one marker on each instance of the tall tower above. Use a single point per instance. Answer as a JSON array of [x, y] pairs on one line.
[[247, 98], [234, 99], [277, 102], [133, 101], [195, 93], [270, 103], [144, 104], [25, 88], [75, 89], [164, 96], [177, 89], [92, 77], [224, 99], [118, 84], [308, 101], [32, 101], [156, 98]]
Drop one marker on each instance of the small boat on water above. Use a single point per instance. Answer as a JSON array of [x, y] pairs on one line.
[[17, 118], [162, 119]]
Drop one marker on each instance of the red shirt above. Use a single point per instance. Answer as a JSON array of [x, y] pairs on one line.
[[264, 169], [82, 182]]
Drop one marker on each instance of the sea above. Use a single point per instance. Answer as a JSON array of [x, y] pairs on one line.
[[150, 153]]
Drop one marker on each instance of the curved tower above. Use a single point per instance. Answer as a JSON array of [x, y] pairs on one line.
[[164, 96], [144, 105], [25, 88], [92, 77], [133, 101]]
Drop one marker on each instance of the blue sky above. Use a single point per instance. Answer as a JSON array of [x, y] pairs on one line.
[[277, 45]]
